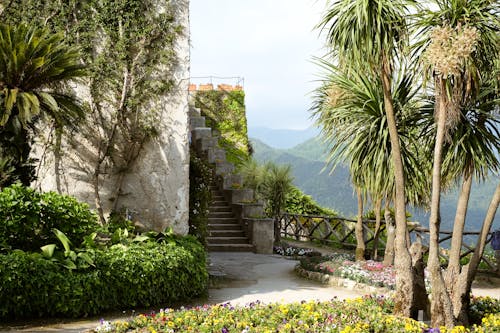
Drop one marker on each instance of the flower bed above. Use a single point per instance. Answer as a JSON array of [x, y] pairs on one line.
[[342, 265], [367, 314]]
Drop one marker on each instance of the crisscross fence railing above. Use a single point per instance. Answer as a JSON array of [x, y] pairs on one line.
[[338, 231]]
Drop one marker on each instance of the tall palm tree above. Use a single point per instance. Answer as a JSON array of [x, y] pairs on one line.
[[34, 66], [350, 110], [470, 153], [460, 44], [374, 32]]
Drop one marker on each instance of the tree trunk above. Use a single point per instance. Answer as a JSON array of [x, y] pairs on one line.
[[455, 281], [360, 240], [391, 234], [57, 158], [441, 307], [404, 297], [461, 297], [378, 220]]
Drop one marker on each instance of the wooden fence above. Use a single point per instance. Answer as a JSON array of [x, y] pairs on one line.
[[340, 232]]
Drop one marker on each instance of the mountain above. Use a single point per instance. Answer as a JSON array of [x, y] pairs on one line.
[[308, 168], [282, 138], [334, 189]]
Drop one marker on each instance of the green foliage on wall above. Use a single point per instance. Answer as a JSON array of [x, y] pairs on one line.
[[225, 112], [200, 178], [128, 47]]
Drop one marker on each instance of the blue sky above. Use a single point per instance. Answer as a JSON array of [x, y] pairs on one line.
[[270, 43]]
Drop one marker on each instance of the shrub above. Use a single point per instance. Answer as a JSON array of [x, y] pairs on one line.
[[200, 179], [27, 218], [142, 274]]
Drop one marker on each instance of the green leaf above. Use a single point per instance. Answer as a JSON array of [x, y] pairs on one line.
[[63, 239], [48, 250]]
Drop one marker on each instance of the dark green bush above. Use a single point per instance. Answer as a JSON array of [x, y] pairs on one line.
[[27, 218], [142, 274], [200, 178]]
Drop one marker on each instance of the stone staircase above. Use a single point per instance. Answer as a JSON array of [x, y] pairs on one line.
[[235, 222], [225, 233]]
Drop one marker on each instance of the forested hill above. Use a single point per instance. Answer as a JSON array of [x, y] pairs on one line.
[[334, 190]]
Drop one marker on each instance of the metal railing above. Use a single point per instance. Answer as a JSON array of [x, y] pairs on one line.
[[333, 230]]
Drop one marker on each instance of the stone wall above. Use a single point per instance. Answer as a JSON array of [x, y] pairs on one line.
[[155, 189]]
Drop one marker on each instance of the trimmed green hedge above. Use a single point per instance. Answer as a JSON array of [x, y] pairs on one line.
[[27, 218], [142, 274]]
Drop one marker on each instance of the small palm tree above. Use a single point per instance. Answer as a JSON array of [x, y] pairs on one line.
[[34, 68], [277, 184]]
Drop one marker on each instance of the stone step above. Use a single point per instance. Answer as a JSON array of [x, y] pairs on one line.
[[219, 209], [230, 247], [195, 122], [218, 197], [226, 233], [222, 220], [224, 226], [215, 215], [227, 240], [219, 203]]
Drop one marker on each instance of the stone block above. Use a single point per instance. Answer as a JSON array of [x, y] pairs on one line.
[[223, 168], [196, 122], [216, 155], [239, 195], [262, 234], [232, 181]]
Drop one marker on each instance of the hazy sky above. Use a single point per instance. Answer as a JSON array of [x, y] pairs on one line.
[[270, 43]]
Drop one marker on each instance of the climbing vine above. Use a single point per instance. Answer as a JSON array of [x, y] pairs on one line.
[[128, 46], [225, 112]]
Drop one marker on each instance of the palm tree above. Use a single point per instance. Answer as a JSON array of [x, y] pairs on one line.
[[460, 44], [34, 66], [277, 184], [471, 152], [374, 32]]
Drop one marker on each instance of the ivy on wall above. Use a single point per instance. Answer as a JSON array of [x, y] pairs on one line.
[[128, 46], [225, 112], [200, 179]]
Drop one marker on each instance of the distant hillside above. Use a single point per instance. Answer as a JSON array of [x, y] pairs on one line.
[[282, 138], [335, 191]]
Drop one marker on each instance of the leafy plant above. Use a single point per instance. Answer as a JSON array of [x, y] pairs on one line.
[[28, 218], [68, 258], [123, 276], [200, 178]]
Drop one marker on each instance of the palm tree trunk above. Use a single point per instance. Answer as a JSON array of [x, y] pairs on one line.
[[391, 234], [441, 307], [378, 220], [360, 240], [404, 298], [455, 281], [461, 298]]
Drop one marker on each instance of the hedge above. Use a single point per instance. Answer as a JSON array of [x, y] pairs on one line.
[[27, 218], [137, 275]]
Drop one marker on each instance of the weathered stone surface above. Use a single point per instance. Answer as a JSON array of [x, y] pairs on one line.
[[239, 195], [155, 188], [232, 181], [261, 234], [215, 155]]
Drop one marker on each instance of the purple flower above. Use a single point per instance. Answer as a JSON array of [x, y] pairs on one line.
[[224, 330]]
